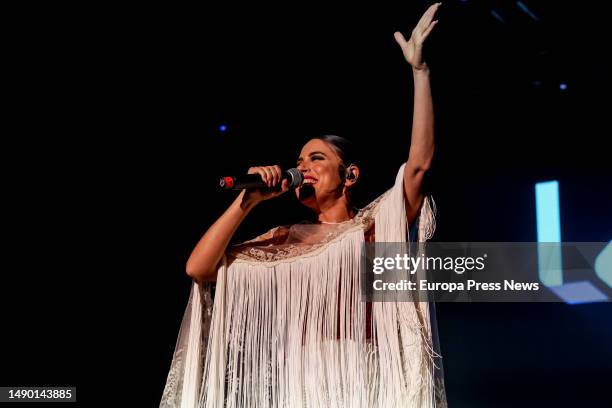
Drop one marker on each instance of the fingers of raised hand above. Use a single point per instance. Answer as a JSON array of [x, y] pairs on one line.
[[425, 21], [428, 30], [399, 37], [429, 14]]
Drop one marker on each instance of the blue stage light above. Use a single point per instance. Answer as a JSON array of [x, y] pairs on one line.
[[523, 7], [548, 223], [497, 16], [575, 293], [550, 258]]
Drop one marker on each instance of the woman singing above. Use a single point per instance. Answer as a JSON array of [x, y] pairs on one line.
[[288, 327]]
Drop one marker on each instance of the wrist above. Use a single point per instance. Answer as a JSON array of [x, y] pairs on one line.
[[422, 71], [247, 200]]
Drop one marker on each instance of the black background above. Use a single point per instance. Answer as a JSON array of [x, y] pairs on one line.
[[112, 148]]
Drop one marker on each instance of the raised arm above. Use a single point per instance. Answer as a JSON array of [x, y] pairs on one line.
[[202, 264], [422, 141]]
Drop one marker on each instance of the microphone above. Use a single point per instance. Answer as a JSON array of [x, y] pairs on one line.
[[295, 177]]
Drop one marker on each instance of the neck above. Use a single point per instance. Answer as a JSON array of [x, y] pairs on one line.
[[338, 211]]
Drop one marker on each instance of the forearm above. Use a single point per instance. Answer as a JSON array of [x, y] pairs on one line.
[[422, 141], [203, 261]]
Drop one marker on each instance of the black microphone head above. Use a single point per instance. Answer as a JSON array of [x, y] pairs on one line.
[[295, 177]]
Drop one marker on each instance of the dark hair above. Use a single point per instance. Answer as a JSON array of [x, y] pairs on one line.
[[343, 147]]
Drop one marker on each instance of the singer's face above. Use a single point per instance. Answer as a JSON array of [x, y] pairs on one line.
[[320, 165]]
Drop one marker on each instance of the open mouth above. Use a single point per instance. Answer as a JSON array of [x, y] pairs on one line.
[[309, 180]]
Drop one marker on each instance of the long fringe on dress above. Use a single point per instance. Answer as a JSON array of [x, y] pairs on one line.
[[288, 327]]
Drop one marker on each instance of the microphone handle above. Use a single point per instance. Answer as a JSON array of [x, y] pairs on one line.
[[295, 177], [243, 182]]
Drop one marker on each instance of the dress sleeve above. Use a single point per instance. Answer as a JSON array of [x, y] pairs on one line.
[[391, 225], [184, 377], [390, 216]]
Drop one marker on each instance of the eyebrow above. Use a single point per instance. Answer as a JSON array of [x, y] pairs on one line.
[[311, 154]]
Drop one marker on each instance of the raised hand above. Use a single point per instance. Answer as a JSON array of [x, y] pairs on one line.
[[413, 48]]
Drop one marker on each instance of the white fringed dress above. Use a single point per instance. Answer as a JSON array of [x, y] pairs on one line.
[[287, 327]]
